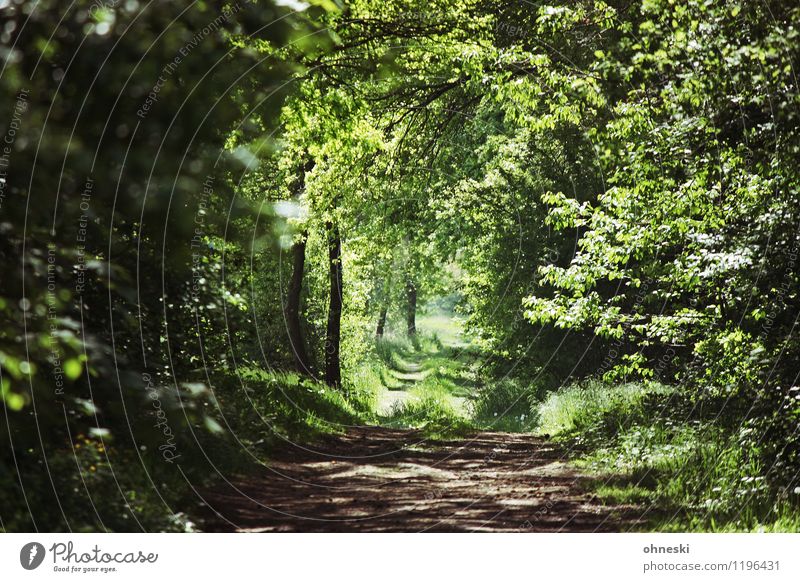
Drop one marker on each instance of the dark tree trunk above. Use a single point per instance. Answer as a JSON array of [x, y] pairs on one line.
[[292, 312], [411, 313], [381, 321], [333, 374], [294, 293]]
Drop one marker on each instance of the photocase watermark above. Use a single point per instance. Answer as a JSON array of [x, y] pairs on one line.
[[67, 559], [780, 301], [613, 355], [434, 495], [66, 553], [437, 494], [31, 555], [549, 256], [533, 461], [169, 448], [20, 106], [420, 16], [510, 29], [98, 6], [540, 513], [169, 69], [197, 239]]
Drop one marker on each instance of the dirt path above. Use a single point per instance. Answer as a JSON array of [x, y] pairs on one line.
[[390, 398], [377, 479]]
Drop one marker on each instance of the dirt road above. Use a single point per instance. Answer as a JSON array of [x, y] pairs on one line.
[[375, 479]]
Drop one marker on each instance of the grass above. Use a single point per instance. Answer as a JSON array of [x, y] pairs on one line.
[[597, 407], [506, 405], [424, 381], [421, 382], [426, 386], [290, 406], [429, 410], [644, 448]]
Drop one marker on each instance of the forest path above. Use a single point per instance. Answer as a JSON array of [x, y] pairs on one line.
[[376, 479], [382, 479], [421, 366]]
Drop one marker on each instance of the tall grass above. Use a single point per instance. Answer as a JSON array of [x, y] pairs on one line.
[[429, 410], [295, 406], [506, 405], [688, 474], [596, 406]]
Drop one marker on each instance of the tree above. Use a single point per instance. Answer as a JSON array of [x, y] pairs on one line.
[[294, 292], [120, 119]]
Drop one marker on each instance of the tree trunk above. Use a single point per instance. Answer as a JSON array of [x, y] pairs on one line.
[[411, 313], [381, 320], [333, 375], [384, 296], [294, 293], [292, 312]]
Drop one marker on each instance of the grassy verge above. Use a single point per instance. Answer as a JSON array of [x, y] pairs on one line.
[[290, 406], [648, 448], [506, 405], [118, 484]]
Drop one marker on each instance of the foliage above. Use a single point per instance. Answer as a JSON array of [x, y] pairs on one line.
[[687, 475], [601, 191], [115, 193]]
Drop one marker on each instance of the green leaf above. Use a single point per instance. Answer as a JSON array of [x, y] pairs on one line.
[[13, 400], [212, 425], [73, 368]]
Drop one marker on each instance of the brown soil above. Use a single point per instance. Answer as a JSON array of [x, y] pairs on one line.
[[375, 479]]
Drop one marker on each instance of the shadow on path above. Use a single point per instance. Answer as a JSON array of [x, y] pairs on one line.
[[375, 479]]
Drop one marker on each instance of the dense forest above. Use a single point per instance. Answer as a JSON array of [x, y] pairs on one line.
[[238, 236]]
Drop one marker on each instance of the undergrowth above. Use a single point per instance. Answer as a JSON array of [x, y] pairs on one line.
[[251, 414], [648, 447]]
